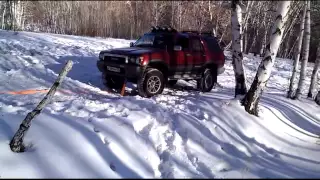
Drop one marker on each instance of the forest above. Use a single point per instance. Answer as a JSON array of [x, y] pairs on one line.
[[130, 19]]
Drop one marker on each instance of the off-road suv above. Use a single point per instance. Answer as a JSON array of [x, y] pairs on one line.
[[161, 57]]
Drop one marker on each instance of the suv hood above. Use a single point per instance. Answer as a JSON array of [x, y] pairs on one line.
[[132, 51]]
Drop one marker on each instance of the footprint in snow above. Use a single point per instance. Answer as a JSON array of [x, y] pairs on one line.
[[112, 166], [96, 130]]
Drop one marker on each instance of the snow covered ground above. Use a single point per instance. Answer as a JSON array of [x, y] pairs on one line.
[[86, 132]]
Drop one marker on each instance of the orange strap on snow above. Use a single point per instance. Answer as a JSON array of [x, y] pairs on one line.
[[23, 92], [32, 91]]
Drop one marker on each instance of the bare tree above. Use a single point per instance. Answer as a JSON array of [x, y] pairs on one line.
[[297, 54], [252, 98], [237, 56], [305, 57]]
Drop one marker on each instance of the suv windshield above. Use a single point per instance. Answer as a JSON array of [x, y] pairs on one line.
[[154, 40]]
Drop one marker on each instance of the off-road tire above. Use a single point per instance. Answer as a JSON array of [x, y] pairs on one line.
[[203, 85], [142, 84]]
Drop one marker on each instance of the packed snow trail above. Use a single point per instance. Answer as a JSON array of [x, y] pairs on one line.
[[86, 132]]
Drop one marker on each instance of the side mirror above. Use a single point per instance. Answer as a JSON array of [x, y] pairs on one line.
[[131, 44], [177, 48]]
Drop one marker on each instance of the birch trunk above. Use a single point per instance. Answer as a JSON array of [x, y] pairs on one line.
[[314, 75], [317, 99], [263, 43], [305, 57], [252, 98], [237, 56], [297, 54], [3, 15], [16, 143]]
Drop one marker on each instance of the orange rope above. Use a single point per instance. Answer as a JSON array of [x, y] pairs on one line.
[[34, 91], [31, 91]]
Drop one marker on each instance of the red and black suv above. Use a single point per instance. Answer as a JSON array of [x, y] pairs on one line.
[[161, 57]]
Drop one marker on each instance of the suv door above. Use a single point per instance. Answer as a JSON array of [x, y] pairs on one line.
[[198, 55], [181, 58]]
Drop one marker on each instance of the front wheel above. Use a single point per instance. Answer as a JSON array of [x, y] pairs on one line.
[[151, 83], [208, 80]]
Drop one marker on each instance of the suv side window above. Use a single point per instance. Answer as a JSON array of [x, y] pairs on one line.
[[196, 45], [183, 42]]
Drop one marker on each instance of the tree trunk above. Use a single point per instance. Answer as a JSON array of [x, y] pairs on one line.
[[16, 143], [245, 42], [3, 15], [314, 75], [317, 99], [263, 43], [252, 98], [297, 54], [237, 56], [305, 57]]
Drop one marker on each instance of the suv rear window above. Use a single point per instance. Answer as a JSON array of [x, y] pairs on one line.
[[212, 44]]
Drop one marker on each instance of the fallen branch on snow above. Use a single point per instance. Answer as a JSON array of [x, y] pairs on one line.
[[16, 144]]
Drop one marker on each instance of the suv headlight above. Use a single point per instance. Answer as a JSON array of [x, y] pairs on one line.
[[136, 60], [139, 60], [133, 59]]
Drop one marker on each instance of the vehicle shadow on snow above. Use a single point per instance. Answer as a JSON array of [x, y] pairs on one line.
[[84, 70]]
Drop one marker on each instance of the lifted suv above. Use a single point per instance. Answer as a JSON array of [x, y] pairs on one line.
[[161, 57]]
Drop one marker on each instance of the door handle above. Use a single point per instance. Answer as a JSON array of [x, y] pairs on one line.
[[188, 54]]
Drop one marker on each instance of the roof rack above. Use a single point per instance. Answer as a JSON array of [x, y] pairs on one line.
[[162, 29], [190, 31], [208, 33]]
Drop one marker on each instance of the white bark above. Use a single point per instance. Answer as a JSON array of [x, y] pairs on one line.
[[297, 54], [314, 75], [252, 98], [16, 143], [3, 15], [237, 56], [305, 56]]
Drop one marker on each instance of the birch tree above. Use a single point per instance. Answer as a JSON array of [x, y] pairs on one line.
[[16, 143], [297, 54], [237, 56], [314, 75], [305, 56], [252, 98]]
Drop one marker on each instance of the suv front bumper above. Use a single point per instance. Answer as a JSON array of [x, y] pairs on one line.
[[130, 71]]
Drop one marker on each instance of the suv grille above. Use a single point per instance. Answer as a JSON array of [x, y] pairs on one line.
[[117, 60]]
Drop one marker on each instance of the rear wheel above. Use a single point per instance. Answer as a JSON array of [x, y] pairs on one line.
[[151, 83], [208, 80]]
